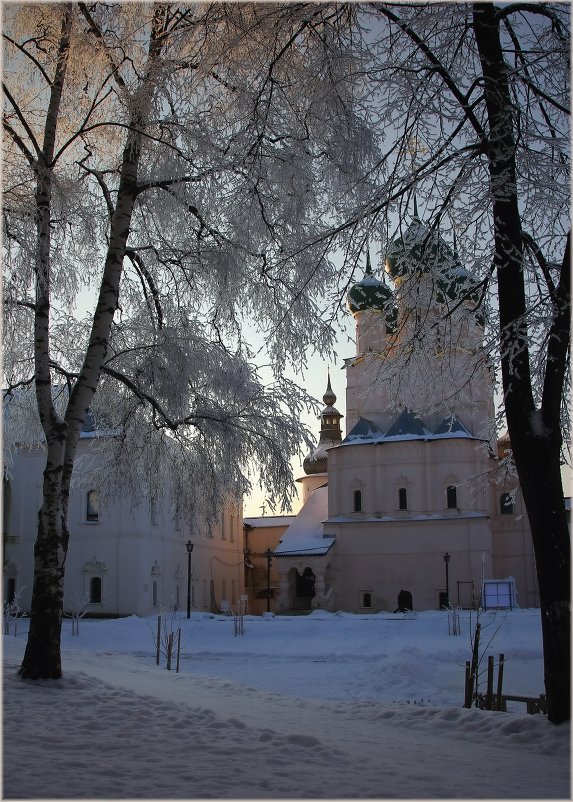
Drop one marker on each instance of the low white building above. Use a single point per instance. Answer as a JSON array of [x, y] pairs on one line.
[[125, 557]]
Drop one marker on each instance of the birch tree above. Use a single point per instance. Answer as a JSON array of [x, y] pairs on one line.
[[173, 160], [473, 105]]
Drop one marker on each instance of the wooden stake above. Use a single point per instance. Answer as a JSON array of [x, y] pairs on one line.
[[158, 639], [169, 650], [489, 691], [474, 666], [467, 694], [498, 701]]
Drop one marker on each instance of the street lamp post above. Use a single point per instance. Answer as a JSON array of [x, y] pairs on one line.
[[189, 547], [268, 555], [447, 559]]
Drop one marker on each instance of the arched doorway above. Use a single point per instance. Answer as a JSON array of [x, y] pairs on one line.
[[304, 590]]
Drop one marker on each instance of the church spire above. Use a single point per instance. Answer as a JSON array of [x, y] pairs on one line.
[[368, 271], [329, 398], [456, 257], [330, 434]]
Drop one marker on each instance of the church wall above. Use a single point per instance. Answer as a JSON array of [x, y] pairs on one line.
[[387, 557], [365, 398], [139, 557], [377, 391], [424, 469], [513, 546]]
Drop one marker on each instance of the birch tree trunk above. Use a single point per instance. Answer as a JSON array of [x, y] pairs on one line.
[[42, 658]]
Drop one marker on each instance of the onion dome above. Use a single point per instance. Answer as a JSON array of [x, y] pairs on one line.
[[421, 251], [329, 398], [369, 293], [330, 434]]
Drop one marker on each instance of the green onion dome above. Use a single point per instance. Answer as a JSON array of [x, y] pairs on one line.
[[418, 251], [455, 283], [369, 293], [422, 252]]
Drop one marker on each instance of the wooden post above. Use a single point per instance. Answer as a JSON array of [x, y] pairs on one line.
[[178, 649], [158, 639], [169, 650], [498, 702], [474, 665], [467, 694], [489, 691]]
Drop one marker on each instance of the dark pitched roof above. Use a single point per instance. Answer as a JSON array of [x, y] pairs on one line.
[[407, 424], [452, 425], [364, 430]]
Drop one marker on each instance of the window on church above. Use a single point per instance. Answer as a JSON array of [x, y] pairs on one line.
[[402, 498], [506, 504], [452, 493], [357, 501], [92, 506], [95, 590]]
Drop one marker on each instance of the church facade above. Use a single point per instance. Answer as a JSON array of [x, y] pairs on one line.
[[125, 556], [413, 501]]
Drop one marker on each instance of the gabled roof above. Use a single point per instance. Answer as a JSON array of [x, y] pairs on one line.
[[261, 521], [364, 430], [407, 424], [452, 427]]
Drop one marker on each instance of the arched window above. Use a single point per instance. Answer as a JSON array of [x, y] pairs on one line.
[[154, 593], [402, 498], [95, 590], [92, 506], [357, 501], [452, 494], [506, 504]]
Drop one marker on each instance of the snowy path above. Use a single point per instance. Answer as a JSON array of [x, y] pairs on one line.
[[119, 727]]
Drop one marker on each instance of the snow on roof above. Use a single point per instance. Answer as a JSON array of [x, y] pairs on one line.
[[341, 519], [452, 425], [304, 535], [406, 427], [269, 520], [97, 434]]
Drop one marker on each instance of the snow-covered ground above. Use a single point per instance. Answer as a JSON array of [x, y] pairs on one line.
[[319, 706]]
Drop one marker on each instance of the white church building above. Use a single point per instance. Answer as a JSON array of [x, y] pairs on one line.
[[410, 510]]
